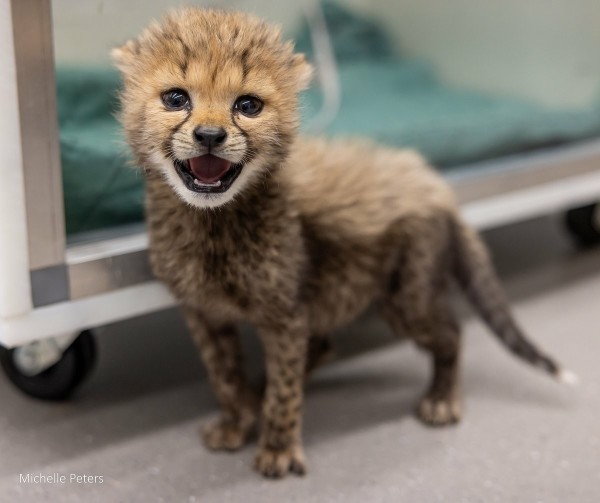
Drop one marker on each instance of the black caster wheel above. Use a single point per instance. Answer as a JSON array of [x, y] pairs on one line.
[[584, 224], [58, 381]]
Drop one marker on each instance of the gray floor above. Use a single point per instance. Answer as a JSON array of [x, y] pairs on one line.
[[524, 438]]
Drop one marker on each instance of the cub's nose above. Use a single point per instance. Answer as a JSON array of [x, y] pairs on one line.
[[210, 136]]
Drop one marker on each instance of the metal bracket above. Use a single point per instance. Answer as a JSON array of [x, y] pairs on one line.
[[34, 358], [49, 285]]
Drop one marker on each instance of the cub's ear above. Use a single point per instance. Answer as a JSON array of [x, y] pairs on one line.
[[303, 70], [125, 56]]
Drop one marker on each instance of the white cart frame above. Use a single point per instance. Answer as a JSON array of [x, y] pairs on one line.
[[50, 287]]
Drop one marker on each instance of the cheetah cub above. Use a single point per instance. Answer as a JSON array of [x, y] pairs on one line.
[[250, 223]]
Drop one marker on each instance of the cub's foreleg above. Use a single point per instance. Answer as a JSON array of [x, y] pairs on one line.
[[220, 351], [280, 447]]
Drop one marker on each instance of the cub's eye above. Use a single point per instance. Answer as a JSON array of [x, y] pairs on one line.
[[175, 99], [248, 105]]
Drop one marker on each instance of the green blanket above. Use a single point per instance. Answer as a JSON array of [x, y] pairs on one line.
[[395, 101]]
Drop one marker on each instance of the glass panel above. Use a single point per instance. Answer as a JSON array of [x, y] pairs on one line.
[[460, 81]]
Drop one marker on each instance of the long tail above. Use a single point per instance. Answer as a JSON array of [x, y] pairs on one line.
[[476, 275]]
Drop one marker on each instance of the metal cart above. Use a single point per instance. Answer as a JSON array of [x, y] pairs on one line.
[[52, 291]]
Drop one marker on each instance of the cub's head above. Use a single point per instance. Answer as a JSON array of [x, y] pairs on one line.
[[210, 101]]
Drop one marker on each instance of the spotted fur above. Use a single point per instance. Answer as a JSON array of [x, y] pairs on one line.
[[311, 234]]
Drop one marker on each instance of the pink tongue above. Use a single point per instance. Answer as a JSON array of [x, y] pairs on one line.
[[208, 168]]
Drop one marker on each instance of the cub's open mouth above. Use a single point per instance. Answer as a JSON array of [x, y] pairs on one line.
[[207, 173]]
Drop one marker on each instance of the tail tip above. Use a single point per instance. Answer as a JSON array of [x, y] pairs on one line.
[[567, 377]]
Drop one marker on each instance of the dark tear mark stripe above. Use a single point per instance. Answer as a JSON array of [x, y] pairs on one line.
[[237, 126], [167, 146], [250, 153]]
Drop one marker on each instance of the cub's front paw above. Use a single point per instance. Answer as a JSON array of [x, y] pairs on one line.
[[439, 411], [275, 464], [226, 435]]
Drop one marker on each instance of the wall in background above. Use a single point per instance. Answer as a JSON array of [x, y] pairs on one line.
[[85, 31], [545, 50]]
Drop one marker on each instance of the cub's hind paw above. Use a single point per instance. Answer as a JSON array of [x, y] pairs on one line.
[[275, 464], [439, 411], [225, 435]]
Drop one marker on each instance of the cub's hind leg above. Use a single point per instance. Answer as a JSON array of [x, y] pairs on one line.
[[442, 403], [419, 307]]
